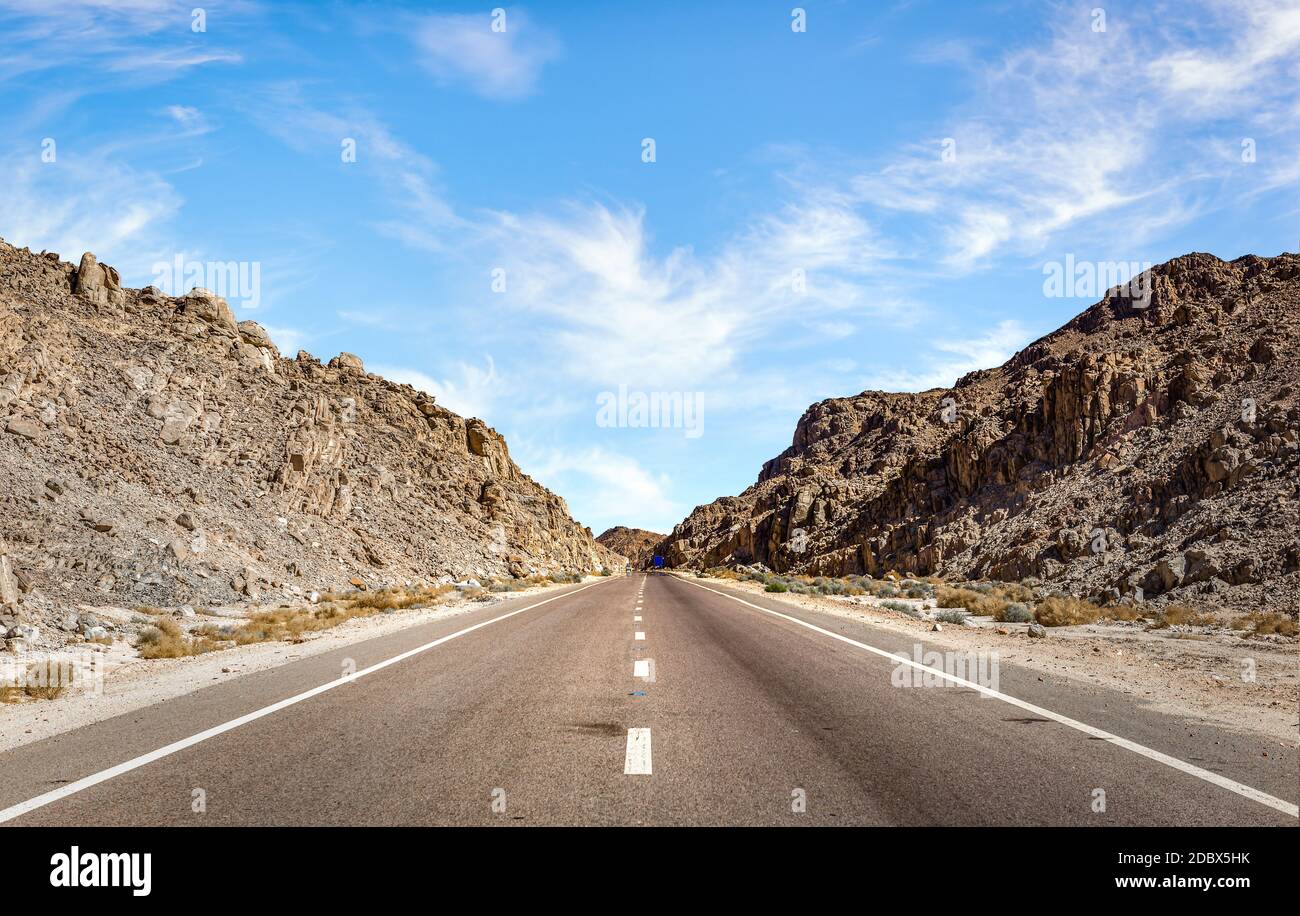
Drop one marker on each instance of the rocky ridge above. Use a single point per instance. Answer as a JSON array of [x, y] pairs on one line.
[[155, 451], [1135, 453], [637, 544]]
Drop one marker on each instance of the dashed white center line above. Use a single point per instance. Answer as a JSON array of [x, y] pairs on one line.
[[641, 667], [639, 636], [637, 760], [636, 618]]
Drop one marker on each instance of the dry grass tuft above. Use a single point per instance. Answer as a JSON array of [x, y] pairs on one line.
[[166, 639], [1065, 611], [44, 680], [1180, 614], [1265, 623], [978, 603]]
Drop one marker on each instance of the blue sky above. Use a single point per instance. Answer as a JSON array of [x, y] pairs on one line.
[[868, 203]]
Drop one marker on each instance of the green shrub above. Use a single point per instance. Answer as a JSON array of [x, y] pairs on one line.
[[1016, 612], [776, 587]]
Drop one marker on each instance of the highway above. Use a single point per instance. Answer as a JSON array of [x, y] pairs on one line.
[[643, 700]]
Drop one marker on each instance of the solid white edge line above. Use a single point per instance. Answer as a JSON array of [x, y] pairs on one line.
[[86, 782], [637, 759], [1222, 782]]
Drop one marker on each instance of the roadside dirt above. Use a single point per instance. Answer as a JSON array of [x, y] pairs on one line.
[[1177, 670], [128, 682]]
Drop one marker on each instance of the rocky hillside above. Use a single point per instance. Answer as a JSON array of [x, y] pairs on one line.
[[637, 544], [1135, 448], [153, 451]]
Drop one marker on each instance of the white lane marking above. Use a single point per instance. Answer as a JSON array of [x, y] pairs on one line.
[[641, 667], [639, 636], [637, 760], [636, 618], [1222, 782], [80, 785]]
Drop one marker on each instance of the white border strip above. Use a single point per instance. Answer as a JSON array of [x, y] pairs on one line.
[[636, 762], [134, 763], [1222, 782]]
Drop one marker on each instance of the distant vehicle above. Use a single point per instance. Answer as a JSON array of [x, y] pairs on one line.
[[628, 570], [658, 562]]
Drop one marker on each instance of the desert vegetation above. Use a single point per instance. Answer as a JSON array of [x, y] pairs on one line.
[[1004, 602]]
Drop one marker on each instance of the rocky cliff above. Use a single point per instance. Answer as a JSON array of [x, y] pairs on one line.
[[1138, 447], [637, 544], [155, 451]]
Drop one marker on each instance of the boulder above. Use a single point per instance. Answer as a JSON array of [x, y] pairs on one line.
[[98, 282], [208, 307], [349, 363], [255, 335]]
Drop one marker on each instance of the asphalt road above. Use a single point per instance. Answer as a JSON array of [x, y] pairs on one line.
[[554, 713]]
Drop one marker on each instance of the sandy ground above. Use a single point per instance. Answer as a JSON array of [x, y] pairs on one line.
[[127, 682], [1178, 670]]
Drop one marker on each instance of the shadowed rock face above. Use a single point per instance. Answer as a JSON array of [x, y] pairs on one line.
[[1151, 448], [154, 451], [637, 544]]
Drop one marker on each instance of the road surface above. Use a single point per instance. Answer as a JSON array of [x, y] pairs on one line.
[[643, 700]]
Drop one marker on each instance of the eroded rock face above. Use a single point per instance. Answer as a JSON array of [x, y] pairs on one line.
[[165, 454], [98, 282], [637, 544], [1152, 448]]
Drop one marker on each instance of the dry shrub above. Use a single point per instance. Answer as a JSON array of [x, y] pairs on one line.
[[977, 603], [397, 599], [1180, 614], [1014, 591], [1124, 612], [1265, 623], [292, 623], [166, 639], [1066, 611]]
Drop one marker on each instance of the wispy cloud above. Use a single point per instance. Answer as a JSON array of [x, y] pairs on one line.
[[591, 278], [499, 64], [471, 393], [953, 357], [87, 203], [426, 221], [596, 476]]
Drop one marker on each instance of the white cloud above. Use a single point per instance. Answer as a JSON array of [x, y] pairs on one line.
[[287, 340], [147, 39], [603, 487], [409, 177], [954, 357], [621, 313], [79, 203], [500, 65], [471, 394]]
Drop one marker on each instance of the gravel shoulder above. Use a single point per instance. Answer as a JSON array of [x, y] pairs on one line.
[[1178, 670], [124, 682]]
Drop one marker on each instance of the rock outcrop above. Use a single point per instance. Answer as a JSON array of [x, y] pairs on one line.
[[637, 544], [1137, 448], [155, 451]]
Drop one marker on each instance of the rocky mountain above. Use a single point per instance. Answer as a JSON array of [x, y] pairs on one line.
[[637, 544], [1150, 444], [155, 451]]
